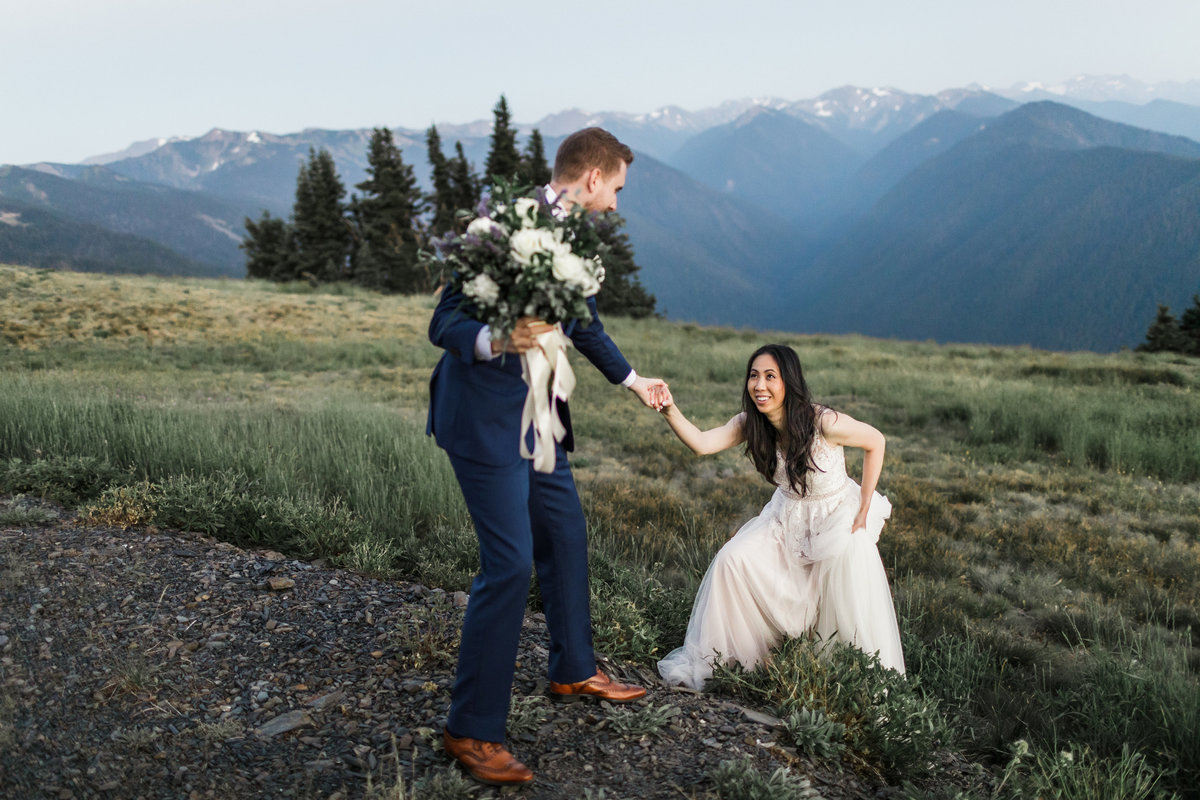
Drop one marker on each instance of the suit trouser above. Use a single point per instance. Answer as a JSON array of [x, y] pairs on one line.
[[522, 518]]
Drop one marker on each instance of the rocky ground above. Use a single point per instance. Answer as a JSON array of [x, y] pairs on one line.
[[163, 664]]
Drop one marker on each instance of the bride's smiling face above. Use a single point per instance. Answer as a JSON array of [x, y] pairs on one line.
[[765, 385]]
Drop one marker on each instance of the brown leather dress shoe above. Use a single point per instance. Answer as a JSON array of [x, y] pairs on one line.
[[597, 687], [487, 762]]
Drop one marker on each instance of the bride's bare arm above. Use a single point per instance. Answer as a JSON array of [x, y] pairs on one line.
[[841, 428], [706, 442]]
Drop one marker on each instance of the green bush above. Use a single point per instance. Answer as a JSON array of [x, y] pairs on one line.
[[632, 612], [889, 719], [445, 556], [22, 512], [647, 720], [816, 734], [235, 509], [69, 480], [739, 780]]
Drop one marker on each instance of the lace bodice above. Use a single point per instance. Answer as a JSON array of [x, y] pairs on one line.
[[827, 480]]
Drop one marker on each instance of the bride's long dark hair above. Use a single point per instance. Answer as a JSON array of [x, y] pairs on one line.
[[800, 418]]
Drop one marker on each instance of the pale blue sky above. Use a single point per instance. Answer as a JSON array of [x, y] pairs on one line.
[[82, 77]]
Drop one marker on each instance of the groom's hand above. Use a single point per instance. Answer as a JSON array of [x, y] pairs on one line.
[[653, 392], [523, 337]]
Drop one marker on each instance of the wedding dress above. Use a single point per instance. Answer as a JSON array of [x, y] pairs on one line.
[[795, 567]]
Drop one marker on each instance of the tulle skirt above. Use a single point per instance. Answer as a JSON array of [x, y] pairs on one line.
[[794, 568]]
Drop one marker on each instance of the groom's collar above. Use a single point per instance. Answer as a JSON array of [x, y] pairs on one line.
[[554, 199]]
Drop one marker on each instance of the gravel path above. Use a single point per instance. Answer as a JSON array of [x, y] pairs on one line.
[[164, 664]]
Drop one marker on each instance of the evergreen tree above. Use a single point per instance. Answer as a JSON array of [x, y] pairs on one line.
[[441, 199], [465, 186], [322, 232], [534, 169], [270, 249], [623, 293], [1189, 327], [386, 221], [503, 160], [1164, 334]]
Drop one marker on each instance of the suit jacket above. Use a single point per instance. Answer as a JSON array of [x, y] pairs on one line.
[[475, 406]]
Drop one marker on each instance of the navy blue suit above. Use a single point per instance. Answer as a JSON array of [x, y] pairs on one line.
[[523, 518]]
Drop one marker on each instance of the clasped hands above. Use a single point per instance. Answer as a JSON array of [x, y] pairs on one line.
[[653, 392], [523, 337]]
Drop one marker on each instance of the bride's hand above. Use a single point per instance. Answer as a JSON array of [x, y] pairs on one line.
[[651, 391], [860, 521], [663, 398]]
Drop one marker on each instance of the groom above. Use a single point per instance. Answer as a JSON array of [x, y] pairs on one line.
[[522, 517]]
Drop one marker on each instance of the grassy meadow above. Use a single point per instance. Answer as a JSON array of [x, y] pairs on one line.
[[1044, 548]]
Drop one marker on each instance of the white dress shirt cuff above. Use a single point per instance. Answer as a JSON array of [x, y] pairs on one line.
[[483, 344], [629, 379]]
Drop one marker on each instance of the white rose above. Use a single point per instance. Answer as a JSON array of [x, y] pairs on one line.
[[526, 209], [524, 244], [557, 245], [483, 289], [548, 240], [483, 226], [570, 268], [528, 242]]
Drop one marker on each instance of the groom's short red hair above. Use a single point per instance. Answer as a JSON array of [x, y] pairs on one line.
[[587, 149]]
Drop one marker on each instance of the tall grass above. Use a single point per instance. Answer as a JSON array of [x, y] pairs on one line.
[[368, 458]]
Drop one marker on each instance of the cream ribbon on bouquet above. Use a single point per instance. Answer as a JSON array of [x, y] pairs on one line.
[[547, 373]]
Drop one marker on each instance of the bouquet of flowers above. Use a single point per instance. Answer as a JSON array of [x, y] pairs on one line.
[[523, 257]]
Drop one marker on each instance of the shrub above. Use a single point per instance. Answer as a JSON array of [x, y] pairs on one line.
[[1075, 773], [816, 734], [642, 721], [69, 480], [631, 610], [21, 511], [231, 507], [888, 717], [445, 555], [527, 714], [426, 635], [123, 507], [739, 780]]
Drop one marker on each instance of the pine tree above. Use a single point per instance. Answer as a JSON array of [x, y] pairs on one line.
[[1164, 334], [441, 199], [322, 231], [386, 221], [534, 169], [270, 249], [1189, 327], [623, 293], [465, 186], [503, 160]]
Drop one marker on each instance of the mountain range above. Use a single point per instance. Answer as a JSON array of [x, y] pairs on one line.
[[1045, 225], [970, 215]]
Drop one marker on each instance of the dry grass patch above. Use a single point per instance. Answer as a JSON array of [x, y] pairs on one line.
[[45, 307]]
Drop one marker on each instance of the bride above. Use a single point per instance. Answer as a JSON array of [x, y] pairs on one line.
[[809, 561]]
